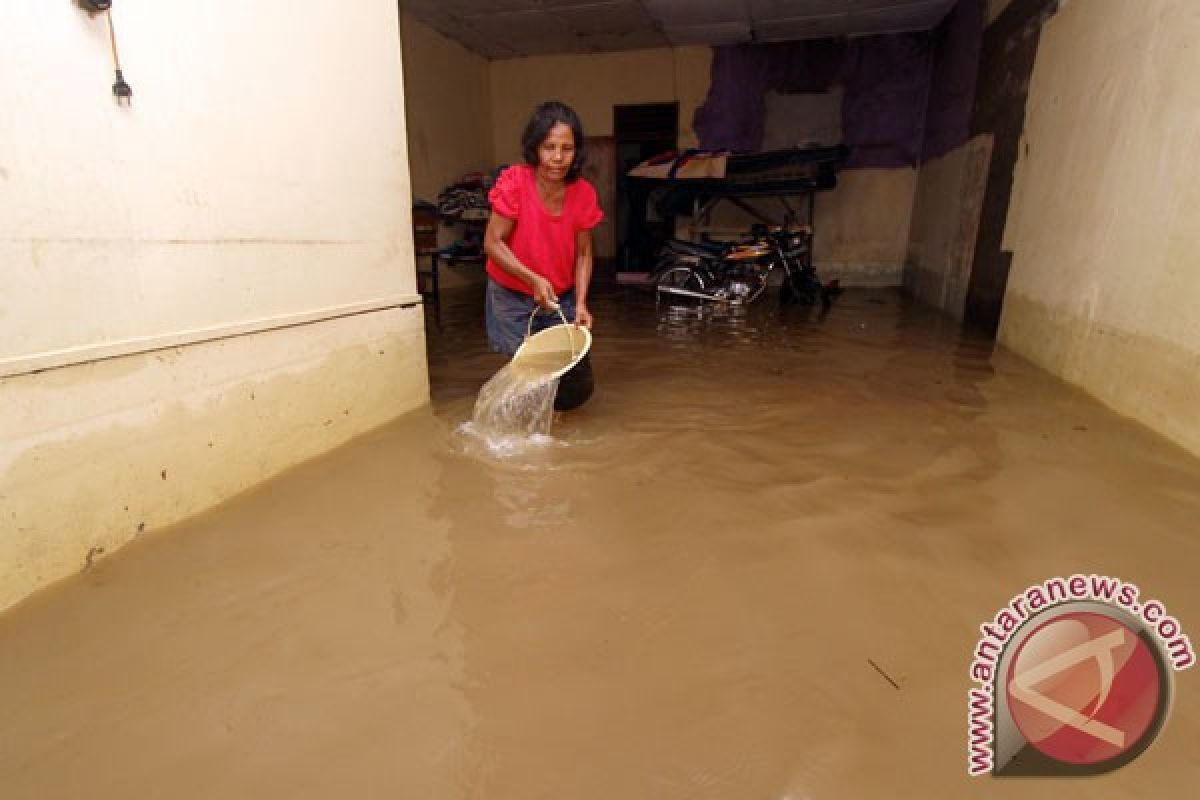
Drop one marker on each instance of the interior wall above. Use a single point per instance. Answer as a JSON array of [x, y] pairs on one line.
[[194, 209], [1103, 288], [945, 225], [592, 84], [205, 287], [447, 92], [861, 228]]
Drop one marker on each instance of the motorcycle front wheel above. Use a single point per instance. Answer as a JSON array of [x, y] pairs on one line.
[[679, 284]]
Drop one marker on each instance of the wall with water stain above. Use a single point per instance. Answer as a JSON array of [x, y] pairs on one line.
[[1104, 225], [945, 223], [204, 287], [97, 454], [862, 226]]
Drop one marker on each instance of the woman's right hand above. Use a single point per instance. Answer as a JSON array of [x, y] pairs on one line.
[[543, 293]]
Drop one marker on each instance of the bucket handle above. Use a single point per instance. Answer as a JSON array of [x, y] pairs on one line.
[[563, 317]]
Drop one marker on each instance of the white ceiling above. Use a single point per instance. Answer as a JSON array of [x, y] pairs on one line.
[[511, 28]]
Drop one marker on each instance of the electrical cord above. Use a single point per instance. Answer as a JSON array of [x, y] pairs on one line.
[[120, 89]]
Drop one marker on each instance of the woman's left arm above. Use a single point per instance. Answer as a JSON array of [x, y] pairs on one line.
[[583, 276]]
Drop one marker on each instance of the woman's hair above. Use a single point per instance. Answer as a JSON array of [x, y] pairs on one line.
[[545, 117]]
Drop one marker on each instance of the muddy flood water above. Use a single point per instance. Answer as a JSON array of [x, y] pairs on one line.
[[754, 565]]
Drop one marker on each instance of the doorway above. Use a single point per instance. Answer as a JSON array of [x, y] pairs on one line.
[[640, 132]]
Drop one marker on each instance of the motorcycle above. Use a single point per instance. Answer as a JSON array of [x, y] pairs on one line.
[[738, 272]]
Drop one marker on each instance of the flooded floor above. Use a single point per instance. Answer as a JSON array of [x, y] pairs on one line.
[[752, 566]]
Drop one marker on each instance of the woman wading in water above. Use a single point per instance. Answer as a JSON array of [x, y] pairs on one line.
[[539, 240]]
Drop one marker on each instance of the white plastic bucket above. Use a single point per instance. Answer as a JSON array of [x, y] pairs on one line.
[[565, 338]]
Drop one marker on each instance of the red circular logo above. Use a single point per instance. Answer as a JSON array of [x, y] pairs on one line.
[[1084, 688]]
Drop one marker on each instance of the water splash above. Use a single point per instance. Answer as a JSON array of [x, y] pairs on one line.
[[515, 409]]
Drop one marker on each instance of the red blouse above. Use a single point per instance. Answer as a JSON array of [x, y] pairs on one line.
[[542, 241]]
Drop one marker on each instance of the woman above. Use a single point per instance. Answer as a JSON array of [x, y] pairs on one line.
[[539, 237]]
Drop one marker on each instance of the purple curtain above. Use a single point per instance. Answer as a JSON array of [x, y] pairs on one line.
[[886, 88], [952, 87], [906, 96]]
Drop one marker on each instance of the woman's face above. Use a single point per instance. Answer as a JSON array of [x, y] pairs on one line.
[[556, 153]]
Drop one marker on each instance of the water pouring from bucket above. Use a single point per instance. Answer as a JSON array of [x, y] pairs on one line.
[[549, 372]]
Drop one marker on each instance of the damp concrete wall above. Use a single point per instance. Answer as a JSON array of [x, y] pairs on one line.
[[1104, 224], [861, 227], [201, 289], [945, 223]]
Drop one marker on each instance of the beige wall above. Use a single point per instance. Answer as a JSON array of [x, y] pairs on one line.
[[448, 95], [945, 225], [1104, 224], [447, 92], [861, 230], [592, 84], [204, 288]]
